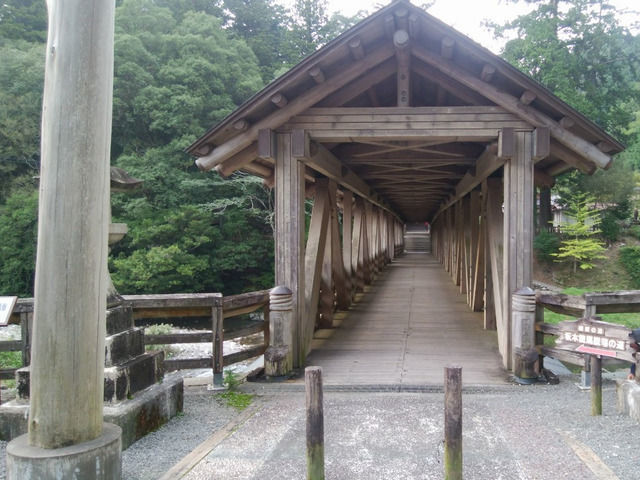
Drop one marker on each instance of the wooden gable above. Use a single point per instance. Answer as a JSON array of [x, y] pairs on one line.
[[406, 112]]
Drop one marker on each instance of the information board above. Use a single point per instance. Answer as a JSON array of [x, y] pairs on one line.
[[595, 337], [6, 307]]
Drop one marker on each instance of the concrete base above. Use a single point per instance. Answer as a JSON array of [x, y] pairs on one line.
[[144, 413], [98, 459], [628, 392]]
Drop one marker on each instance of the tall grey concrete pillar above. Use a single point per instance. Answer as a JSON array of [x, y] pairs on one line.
[[66, 436]]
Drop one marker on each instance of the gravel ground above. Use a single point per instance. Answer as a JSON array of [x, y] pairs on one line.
[[537, 432], [511, 432], [151, 456]]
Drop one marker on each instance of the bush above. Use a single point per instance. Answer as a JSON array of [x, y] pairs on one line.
[[610, 227], [630, 260], [546, 244], [634, 231], [160, 329]]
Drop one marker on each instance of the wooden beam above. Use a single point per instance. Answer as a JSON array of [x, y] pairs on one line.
[[317, 74], [512, 104], [357, 50], [454, 88], [527, 97], [403, 56], [571, 158], [279, 100], [541, 143], [362, 84], [487, 164], [297, 105], [323, 161], [446, 47], [487, 73], [241, 125], [313, 259], [542, 179], [239, 160], [506, 143], [567, 122]]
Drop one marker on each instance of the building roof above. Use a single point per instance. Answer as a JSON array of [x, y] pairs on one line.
[[403, 65]]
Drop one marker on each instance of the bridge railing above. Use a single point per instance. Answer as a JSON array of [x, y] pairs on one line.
[[222, 310]]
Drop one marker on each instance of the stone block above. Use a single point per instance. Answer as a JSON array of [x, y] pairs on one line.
[[123, 346], [119, 319], [628, 393], [144, 413]]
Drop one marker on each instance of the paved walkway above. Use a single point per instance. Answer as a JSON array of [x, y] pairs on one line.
[[405, 329]]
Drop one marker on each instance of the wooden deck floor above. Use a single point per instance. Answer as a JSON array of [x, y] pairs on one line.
[[405, 329]]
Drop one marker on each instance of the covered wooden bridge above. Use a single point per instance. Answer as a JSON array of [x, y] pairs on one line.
[[402, 119]]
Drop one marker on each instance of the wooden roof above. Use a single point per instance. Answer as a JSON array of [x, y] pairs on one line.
[[409, 110]]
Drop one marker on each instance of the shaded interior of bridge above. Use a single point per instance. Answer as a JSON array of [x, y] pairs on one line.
[[404, 329]]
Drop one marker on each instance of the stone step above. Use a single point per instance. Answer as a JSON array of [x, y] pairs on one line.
[[120, 381], [123, 346], [119, 319]]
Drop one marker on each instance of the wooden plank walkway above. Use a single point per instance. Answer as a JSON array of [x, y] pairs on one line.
[[405, 329]]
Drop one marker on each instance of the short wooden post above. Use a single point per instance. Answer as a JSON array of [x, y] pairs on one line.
[[315, 423], [278, 358], [596, 385], [453, 423], [217, 351], [523, 317]]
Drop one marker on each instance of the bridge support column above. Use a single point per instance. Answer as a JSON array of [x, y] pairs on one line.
[[289, 241], [518, 223]]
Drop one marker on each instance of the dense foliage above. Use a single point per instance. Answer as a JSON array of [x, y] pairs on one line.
[[180, 67], [630, 260]]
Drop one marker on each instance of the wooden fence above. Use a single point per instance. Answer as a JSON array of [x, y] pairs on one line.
[[221, 310], [586, 305]]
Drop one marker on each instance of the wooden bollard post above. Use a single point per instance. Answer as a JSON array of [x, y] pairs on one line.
[[453, 423], [278, 359], [596, 385], [315, 423], [523, 317]]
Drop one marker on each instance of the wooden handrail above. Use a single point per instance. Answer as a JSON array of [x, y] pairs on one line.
[[178, 305]]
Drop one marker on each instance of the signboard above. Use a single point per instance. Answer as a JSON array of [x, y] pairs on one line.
[[6, 307], [595, 337]]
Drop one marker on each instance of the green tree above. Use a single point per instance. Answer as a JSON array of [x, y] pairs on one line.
[[578, 50], [579, 245], [23, 20], [18, 228], [21, 80]]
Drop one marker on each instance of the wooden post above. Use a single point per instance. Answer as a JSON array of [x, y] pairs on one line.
[[453, 423], [315, 423], [523, 318], [347, 241], [596, 385], [289, 237], [217, 353], [545, 218], [518, 225], [278, 358], [67, 358], [70, 287]]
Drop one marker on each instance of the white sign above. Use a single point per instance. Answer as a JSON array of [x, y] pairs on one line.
[[6, 307]]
